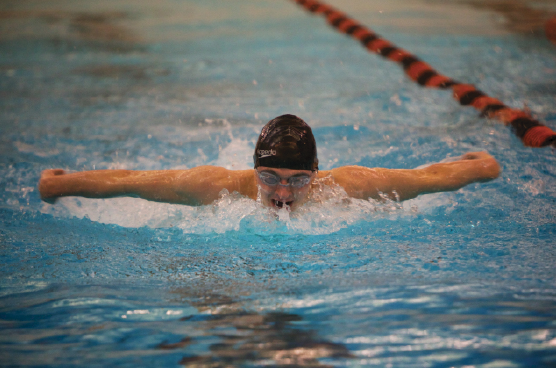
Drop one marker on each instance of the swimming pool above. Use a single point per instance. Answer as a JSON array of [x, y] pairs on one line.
[[450, 279]]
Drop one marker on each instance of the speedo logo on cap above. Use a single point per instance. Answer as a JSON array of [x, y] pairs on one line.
[[266, 153]]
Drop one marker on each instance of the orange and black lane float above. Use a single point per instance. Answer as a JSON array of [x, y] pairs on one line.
[[531, 132]]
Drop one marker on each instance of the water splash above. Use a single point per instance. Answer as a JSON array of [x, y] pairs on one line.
[[328, 210]]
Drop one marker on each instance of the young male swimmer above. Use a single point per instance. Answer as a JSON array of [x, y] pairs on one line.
[[286, 166]]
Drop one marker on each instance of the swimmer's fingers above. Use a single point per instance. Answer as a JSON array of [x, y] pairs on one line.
[[47, 184], [485, 167], [52, 172], [481, 155], [467, 156]]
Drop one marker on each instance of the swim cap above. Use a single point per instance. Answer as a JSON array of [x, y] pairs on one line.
[[287, 142]]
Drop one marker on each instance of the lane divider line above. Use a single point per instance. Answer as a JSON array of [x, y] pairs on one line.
[[531, 132]]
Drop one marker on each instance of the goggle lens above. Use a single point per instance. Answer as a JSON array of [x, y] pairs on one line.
[[294, 181]]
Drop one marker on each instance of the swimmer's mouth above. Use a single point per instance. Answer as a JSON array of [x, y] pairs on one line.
[[279, 204]]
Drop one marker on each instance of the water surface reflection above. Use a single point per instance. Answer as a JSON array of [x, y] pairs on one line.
[[248, 337]]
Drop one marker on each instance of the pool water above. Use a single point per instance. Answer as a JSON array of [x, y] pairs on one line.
[[465, 278]]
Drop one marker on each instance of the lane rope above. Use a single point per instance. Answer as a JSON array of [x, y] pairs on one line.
[[531, 132]]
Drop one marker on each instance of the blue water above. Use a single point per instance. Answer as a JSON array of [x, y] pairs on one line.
[[450, 279]]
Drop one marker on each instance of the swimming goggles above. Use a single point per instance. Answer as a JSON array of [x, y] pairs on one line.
[[273, 180]]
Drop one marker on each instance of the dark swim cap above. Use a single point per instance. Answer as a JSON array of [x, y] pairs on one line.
[[287, 142]]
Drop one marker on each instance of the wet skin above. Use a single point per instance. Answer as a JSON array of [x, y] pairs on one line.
[[204, 184], [279, 196]]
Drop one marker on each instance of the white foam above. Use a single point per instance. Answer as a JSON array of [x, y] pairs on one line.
[[328, 210], [236, 156]]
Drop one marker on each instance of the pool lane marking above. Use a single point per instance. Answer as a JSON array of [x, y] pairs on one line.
[[531, 132]]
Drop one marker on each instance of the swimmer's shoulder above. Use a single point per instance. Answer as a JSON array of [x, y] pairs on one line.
[[241, 181], [357, 181], [244, 181]]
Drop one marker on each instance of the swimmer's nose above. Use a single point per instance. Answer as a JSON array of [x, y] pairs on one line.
[[284, 192]]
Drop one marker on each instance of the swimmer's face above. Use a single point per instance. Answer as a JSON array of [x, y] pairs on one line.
[[294, 189]]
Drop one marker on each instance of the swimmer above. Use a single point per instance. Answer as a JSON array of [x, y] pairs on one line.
[[285, 170]]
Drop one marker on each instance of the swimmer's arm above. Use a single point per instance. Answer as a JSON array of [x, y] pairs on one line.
[[197, 186], [364, 183]]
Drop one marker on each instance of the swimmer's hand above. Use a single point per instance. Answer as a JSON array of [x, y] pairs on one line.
[[48, 185], [487, 167]]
